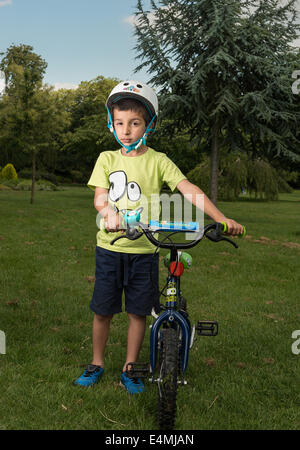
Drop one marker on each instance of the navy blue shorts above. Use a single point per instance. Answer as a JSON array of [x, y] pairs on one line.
[[135, 274]]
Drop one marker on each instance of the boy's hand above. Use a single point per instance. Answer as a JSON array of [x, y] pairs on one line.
[[113, 221], [233, 228]]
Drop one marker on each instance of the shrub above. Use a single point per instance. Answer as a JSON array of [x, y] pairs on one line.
[[27, 174], [78, 177], [11, 183], [238, 172], [3, 187], [45, 185], [49, 177], [24, 185], [200, 175], [41, 185], [262, 179], [9, 172]]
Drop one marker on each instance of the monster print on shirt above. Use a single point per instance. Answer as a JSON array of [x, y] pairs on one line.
[[118, 187]]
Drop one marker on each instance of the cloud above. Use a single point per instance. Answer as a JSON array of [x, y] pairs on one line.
[[5, 2], [130, 19], [134, 20], [296, 43], [58, 86], [2, 85]]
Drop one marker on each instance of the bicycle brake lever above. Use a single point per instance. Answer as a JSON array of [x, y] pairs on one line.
[[131, 233], [230, 241], [217, 236]]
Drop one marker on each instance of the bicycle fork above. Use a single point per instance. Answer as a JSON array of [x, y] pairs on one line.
[[170, 316]]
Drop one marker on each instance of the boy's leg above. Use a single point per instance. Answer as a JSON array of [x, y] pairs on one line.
[[141, 295], [101, 326], [94, 371], [136, 333], [135, 337]]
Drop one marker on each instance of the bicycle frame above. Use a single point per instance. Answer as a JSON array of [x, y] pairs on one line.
[[171, 315]]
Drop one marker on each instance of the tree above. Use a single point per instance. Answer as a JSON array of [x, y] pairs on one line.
[[269, 112], [23, 70], [30, 113], [206, 58], [88, 129]]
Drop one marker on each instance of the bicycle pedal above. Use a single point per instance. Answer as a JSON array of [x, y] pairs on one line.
[[207, 328], [137, 370]]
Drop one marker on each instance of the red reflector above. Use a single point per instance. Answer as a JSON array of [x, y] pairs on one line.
[[176, 268]]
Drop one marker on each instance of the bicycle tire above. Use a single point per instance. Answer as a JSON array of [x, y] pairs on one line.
[[167, 384]]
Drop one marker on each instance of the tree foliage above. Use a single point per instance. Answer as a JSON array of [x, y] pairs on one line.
[[30, 112], [88, 133], [23, 70], [222, 72], [224, 83], [242, 173], [9, 172]]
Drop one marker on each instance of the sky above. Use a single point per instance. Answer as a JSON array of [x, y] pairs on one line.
[[79, 39]]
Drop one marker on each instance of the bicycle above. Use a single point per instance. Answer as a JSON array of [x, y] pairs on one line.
[[172, 335]]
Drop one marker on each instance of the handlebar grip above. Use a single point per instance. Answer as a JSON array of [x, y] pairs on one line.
[[243, 234], [155, 225]]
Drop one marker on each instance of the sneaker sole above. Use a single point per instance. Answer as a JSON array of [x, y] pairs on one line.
[[130, 393]]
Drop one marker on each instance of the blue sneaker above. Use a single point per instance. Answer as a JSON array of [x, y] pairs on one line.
[[132, 385], [90, 376]]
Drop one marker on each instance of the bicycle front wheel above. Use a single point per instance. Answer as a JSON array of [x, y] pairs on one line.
[[167, 383]]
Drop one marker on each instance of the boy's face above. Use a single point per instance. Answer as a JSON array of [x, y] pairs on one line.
[[129, 126]]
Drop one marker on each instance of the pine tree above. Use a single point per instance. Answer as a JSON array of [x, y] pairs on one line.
[[214, 64], [269, 112]]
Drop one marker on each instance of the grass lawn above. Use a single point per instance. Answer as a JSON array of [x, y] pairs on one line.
[[245, 378]]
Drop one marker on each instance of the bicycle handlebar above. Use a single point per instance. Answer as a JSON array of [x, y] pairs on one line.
[[212, 231]]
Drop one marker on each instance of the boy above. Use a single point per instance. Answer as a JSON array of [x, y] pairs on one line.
[[126, 179]]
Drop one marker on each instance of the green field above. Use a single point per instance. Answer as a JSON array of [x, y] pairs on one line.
[[245, 378]]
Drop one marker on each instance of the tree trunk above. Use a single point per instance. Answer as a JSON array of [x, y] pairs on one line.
[[214, 165], [33, 176]]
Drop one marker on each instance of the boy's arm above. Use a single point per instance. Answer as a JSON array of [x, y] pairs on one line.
[[194, 194], [113, 221]]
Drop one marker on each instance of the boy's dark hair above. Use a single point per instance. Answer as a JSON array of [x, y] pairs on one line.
[[129, 104]]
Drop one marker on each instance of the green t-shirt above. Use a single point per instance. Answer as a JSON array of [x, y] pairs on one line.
[[132, 182]]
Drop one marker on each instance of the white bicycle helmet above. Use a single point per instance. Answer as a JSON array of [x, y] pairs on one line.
[[138, 91]]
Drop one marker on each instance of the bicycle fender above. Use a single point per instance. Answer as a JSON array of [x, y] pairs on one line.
[[170, 316]]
